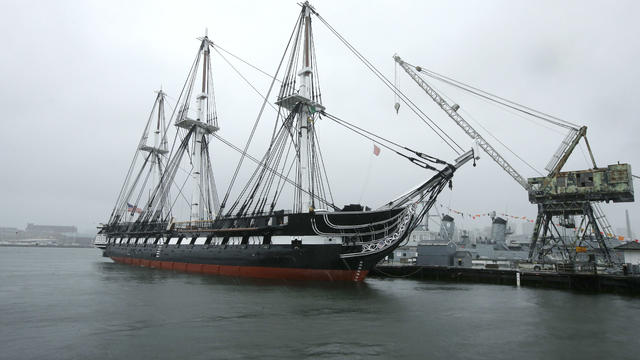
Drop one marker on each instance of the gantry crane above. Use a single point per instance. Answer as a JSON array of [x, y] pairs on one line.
[[559, 194]]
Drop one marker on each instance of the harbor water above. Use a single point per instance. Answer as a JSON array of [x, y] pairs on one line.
[[58, 303]]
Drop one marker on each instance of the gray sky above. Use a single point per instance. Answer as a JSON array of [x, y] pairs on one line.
[[77, 82]]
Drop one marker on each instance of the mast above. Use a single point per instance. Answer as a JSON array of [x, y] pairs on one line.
[[203, 192], [304, 103], [159, 145], [159, 141], [304, 124], [146, 168], [197, 208]]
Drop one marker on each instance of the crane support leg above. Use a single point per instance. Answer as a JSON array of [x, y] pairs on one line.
[[545, 230], [588, 210], [536, 230]]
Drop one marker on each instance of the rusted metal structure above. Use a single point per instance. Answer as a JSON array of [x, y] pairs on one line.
[[565, 195], [576, 193]]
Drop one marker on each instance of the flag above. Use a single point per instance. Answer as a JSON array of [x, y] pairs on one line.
[[132, 208], [376, 150]]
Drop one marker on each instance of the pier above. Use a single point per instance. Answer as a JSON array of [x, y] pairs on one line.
[[587, 282]]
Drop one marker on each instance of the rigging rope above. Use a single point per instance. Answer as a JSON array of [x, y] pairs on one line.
[[255, 125], [468, 115], [323, 167], [431, 124], [261, 164], [497, 99], [244, 78], [218, 47], [369, 135]]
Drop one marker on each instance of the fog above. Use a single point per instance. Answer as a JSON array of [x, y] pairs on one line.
[[78, 81]]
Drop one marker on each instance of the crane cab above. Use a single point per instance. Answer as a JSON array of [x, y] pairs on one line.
[[613, 183]]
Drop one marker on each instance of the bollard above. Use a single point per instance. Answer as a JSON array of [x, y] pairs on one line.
[[518, 278]]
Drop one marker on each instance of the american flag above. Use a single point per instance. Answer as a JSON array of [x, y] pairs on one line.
[[132, 208]]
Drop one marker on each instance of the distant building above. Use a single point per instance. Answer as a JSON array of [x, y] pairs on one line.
[[631, 252], [9, 233], [51, 229], [9, 230]]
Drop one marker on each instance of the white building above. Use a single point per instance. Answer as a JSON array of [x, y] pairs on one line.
[[631, 252]]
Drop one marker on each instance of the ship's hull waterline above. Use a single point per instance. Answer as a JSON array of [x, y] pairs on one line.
[[259, 272], [289, 262]]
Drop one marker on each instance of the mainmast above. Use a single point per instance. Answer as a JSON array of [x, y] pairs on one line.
[[196, 156], [305, 102], [304, 120]]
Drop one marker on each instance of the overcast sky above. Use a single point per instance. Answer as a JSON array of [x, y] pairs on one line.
[[77, 81]]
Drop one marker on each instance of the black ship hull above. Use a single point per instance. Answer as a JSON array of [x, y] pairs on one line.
[[310, 262], [330, 246]]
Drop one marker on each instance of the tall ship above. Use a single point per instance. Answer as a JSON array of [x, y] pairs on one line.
[[170, 215]]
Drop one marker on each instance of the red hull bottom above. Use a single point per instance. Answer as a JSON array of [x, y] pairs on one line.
[[249, 271]]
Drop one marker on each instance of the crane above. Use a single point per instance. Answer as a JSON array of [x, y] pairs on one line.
[[452, 111], [562, 194]]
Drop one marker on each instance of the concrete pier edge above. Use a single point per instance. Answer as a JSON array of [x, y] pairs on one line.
[[586, 282]]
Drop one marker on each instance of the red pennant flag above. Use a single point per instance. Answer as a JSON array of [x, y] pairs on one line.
[[376, 150]]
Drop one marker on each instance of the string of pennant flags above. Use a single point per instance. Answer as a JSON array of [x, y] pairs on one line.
[[478, 216]]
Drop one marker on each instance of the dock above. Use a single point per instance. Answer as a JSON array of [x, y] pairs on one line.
[[585, 282]]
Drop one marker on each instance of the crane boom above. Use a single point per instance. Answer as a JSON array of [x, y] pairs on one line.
[[566, 148], [468, 129]]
